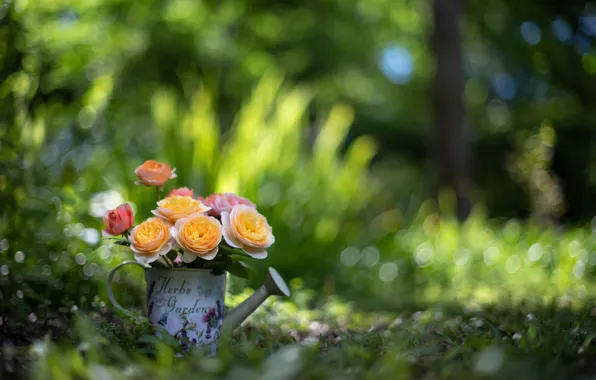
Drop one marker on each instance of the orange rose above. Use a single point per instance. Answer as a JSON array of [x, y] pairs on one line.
[[245, 228], [177, 207], [119, 220], [184, 191], [154, 173], [150, 240], [198, 235]]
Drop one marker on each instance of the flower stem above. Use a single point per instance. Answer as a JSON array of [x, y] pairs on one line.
[[168, 261], [158, 190], [162, 264]]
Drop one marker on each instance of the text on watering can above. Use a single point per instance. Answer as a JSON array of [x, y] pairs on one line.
[[165, 286]]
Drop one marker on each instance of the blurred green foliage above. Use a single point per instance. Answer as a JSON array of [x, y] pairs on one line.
[[110, 62]]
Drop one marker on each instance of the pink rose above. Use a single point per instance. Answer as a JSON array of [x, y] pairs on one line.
[[119, 220], [224, 202], [183, 191]]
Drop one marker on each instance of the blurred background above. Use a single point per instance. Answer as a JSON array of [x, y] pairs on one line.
[[407, 153]]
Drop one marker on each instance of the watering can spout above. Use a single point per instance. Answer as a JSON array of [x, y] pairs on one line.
[[274, 286]]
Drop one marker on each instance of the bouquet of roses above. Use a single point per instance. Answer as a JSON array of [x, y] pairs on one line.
[[218, 232]]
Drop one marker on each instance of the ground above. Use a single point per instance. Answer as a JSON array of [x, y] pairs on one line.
[[285, 340]]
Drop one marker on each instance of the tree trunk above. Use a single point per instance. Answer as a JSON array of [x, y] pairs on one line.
[[451, 147]]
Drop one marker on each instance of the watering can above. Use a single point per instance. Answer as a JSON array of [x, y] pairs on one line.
[[189, 303]]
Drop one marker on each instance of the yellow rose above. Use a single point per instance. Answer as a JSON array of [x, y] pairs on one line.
[[150, 240], [177, 207], [245, 228], [198, 235]]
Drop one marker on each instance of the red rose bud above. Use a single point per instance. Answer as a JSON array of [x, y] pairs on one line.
[[119, 220]]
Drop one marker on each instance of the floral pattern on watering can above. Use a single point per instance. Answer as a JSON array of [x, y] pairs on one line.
[[189, 304]]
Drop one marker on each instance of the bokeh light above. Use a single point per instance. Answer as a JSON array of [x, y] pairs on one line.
[[531, 32], [397, 64]]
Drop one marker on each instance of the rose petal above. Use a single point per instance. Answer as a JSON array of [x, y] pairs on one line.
[[183, 191], [174, 233], [256, 253], [136, 250], [151, 259], [211, 254], [142, 259], [160, 216], [130, 214], [188, 257], [174, 230], [133, 231], [272, 240], [228, 234], [165, 249]]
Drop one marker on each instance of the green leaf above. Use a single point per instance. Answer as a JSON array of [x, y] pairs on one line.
[[215, 265], [172, 254], [238, 270], [236, 257], [123, 242], [226, 259], [147, 339], [252, 273], [218, 271]]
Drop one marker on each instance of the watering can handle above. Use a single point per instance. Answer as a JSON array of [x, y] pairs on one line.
[[111, 290]]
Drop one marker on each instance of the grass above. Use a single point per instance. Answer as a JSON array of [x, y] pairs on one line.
[[497, 343], [314, 338]]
